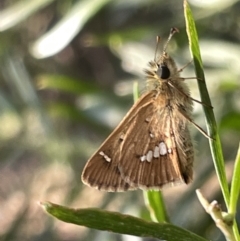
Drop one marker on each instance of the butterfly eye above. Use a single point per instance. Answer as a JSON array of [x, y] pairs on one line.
[[163, 72]]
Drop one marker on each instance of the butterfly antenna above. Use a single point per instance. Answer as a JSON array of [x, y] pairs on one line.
[[157, 46], [172, 32]]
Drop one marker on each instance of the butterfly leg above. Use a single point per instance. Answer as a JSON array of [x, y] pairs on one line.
[[185, 66], [198, 101], [182, 112]]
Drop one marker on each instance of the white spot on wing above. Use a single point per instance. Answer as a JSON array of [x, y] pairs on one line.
[[149, 156], [162, 148], [143, 158], [156, 152], [106, 157]]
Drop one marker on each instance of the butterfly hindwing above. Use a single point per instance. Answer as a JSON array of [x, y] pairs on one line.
[[154, 159]]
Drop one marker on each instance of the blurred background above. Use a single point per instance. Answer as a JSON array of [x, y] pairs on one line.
[[67, 70]]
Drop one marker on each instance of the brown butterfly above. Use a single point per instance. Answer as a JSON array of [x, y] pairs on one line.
[[151, 147]]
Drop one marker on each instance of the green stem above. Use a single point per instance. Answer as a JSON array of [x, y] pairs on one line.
[[156, 206]]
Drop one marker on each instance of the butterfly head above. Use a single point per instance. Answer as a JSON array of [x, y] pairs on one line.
[[161, 71], [163, 67]]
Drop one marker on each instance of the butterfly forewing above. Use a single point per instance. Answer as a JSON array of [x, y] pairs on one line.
[[102, 170]]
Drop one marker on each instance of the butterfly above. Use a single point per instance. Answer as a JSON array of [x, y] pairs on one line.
[[151, 147]]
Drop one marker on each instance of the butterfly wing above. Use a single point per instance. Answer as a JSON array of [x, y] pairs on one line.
[[158, 150], [145, 151], [102, 170]]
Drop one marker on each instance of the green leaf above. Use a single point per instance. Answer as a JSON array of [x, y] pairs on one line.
[[215, 143], [235, 191], [235, 187], [119, 223]]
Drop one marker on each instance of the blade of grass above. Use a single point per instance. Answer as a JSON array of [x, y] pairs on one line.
[[215, 144], [235, 191], [119, 223], [235, 187]]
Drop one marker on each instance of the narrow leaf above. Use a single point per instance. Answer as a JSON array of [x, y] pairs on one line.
[[215, 143], [119, 223], [235, 187]]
